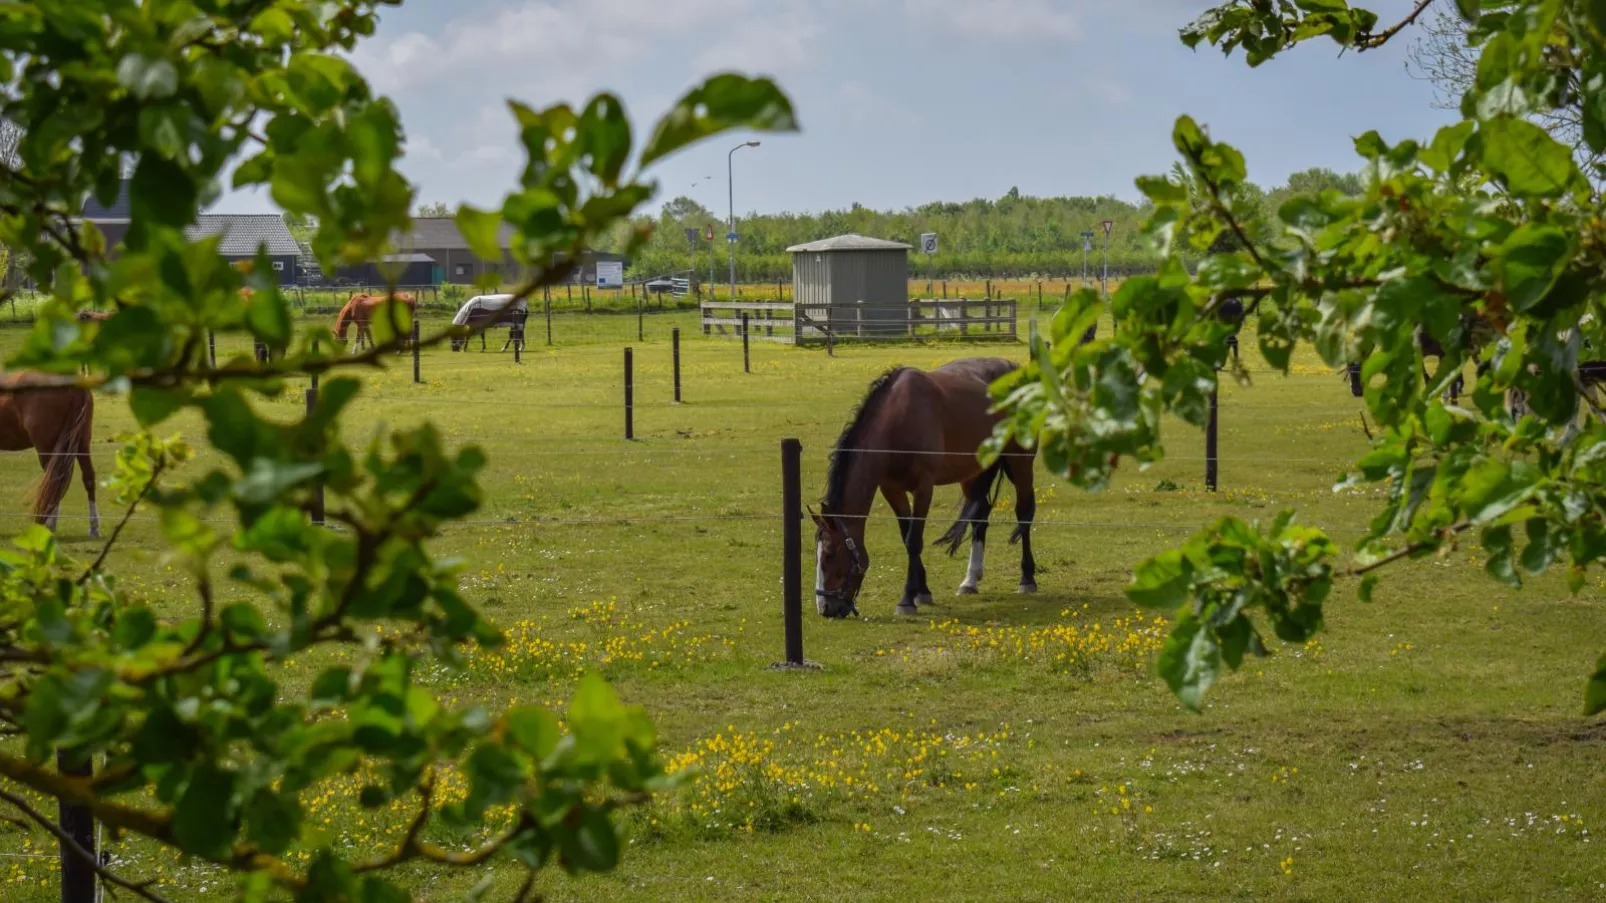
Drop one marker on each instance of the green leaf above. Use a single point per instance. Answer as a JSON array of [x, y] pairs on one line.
[[146, 78], [1531, 261], [203, 820], [534, 729], [594, 844], [1526, 159], [482, 232], [152, 405], [1367, 588], [135, 627], [1190, 661], [163, 191], [720, 104], [268, 315], [604, 137], [1162, 581], [1595, 690], [1491, 488], [1468, 9], [273, 821]]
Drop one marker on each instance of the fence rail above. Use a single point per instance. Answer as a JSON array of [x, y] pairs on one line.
[[812, 323]]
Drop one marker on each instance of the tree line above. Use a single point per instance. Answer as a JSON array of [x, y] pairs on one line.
[[1014, 236]]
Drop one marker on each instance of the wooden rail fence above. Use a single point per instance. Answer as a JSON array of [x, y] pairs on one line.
[[817, 324]]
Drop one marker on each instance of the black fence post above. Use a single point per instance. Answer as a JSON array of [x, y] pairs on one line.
[[417, 353], [77, 876], [548, 303], [639, 333], [211, 347], [317, 496], [1210, 444], [674, 339], [747, 360], [630, 395], [792, 548]]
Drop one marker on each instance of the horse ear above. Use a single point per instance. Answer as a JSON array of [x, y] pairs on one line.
[[818, 520]]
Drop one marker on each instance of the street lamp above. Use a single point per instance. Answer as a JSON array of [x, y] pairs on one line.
[[730, 173]]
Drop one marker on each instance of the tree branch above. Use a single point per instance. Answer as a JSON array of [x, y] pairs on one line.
[[1365, 42], [1408, 551], [118, 530], [71, 846]]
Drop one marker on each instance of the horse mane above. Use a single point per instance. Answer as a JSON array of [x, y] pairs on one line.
[[836, 479]]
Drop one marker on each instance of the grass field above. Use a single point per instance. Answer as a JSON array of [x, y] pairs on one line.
[[1427, 747]]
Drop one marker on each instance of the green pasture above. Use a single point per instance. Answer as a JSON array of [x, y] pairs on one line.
[[1428, 746]]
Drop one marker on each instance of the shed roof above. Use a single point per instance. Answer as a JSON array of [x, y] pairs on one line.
[[406, 258], [244, 233], [853, 241]]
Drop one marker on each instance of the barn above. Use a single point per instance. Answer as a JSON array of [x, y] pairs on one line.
[[864, 281], [413, 269], [243, 234]]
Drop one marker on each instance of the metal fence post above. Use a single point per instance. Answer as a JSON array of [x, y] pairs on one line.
[[1210, 444], [547, 301], [674, 338], [630, 395], [211, 347], [417, 352], [747, 361], [792, 548]]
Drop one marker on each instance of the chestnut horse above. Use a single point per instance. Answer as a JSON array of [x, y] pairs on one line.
[[57, 423], [914, 431], [360, 309]]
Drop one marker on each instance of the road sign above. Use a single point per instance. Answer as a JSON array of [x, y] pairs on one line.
[[691, 237], [1108, 225], [928, 242], [1087, 241], [610, 273], [730, 237], [708, 232]]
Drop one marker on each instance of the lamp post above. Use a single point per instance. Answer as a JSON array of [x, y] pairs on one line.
[[730, 175], [1108, 225], [693, 276]]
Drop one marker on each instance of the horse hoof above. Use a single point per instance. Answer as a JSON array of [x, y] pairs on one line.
[[967, 590], [1026, 589], [924, 599], [906, 608]]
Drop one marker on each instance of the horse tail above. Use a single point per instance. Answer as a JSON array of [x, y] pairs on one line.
[[72, 441], [974, 506]]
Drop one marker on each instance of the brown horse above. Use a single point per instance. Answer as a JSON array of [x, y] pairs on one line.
[[360, 309], [57, 423], [914, 431]]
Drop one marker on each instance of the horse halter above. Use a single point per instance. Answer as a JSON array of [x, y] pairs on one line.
[[840, 594]]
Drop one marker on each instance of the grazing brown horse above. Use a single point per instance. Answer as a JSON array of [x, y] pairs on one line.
[[914, 431], [361, 309], [57, 423]]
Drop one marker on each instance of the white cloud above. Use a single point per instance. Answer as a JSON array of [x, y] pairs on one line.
[[420, 147], [782, 41], [998, 20], [566, 47]]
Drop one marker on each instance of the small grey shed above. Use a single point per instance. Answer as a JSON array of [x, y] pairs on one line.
[[838, 273]]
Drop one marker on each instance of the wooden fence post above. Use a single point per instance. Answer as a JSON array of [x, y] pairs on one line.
[[546, 298], [317, 494], [417, 352], [211, 348], [747, 361], [78, 879]]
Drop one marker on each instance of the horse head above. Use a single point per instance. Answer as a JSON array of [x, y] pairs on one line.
[[840, 565]]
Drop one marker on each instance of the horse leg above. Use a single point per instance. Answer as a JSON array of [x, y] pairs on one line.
[[915, 543], [1020, 473], [87, 467], [482, 340], [899, 502], [981, 511]]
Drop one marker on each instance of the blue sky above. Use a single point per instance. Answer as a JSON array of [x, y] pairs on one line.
[[901, 101]]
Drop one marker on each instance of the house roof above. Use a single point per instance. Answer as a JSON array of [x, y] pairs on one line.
[[244, 233], [406, 258], [853, 241], [439, 233]]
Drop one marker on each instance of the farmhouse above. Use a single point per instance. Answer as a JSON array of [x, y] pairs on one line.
[[241, 234]]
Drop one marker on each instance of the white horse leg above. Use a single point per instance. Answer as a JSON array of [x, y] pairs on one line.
[[94, 521], [819, 577], [972, 584]]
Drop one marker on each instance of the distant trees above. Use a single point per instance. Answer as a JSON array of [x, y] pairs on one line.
[[435, 209], [1016, 235]]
